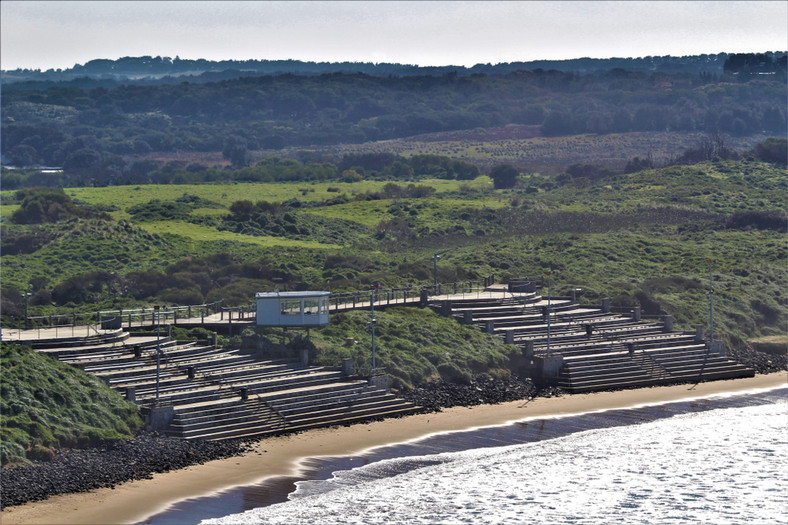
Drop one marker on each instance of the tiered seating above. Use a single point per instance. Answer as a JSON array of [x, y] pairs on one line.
[[225, 419], [334, 403], [585, 373], [600, 350], [696, 363], [224, 394]]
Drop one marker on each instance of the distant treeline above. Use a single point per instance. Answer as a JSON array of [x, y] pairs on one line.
[[356, 167], [154, 70], [97, 130], [350, 168]]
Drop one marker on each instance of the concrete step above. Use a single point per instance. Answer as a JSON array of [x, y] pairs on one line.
[[250, 430], [67, 343], [333, 412], [353, 417]]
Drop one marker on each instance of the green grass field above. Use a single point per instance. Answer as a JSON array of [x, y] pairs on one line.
[[124, 197]]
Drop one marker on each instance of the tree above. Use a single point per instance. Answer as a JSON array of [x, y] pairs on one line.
[[772, 150], [82, 159], [24, 155], [272, 142], [236, 151], [243, 209], [504, 176], [42, 205]]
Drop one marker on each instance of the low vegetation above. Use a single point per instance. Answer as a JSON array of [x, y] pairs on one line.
[[45, 404], [413, 345], [609, 235]]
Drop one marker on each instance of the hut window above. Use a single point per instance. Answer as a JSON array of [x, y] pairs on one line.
[[291, 307]]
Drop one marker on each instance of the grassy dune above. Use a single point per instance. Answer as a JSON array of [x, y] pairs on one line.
[[47, 404]]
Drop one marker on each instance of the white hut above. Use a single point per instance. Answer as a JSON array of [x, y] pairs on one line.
[[292, 308]]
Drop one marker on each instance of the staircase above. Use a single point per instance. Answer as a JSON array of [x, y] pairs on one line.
[[224, 394], [600, 350]]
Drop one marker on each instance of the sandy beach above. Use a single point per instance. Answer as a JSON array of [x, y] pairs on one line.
[[135, 501]]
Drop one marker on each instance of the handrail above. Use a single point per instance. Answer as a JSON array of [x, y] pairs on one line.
[[148, 316]]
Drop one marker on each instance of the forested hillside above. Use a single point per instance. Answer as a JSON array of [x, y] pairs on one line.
[[97, 134], [152, 70]]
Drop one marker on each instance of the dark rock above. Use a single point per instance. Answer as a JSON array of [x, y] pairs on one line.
[[761, 362], [435, 395], [106, 466]]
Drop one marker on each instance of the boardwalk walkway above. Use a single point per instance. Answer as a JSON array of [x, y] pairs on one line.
[[212, 316]]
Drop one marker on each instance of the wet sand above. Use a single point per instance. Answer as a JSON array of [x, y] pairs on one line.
[[281, 456]]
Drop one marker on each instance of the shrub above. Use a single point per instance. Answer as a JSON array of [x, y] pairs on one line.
[[504, 176]]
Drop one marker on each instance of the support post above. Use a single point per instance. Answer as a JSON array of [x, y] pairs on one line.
[[636, 313], [347, 367], [718, 347], [549, 367], [668, 326], [446, 308], [158, 352]]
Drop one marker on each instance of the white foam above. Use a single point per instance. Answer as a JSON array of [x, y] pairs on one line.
[[721, 466]]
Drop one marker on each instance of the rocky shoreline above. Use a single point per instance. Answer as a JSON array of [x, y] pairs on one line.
[[81, 470], [761, 362], [436, 395]]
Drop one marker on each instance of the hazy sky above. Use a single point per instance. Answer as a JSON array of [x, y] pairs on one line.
[[59, 34]]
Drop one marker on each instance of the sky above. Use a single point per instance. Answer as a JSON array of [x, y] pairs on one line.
[[60, 34]]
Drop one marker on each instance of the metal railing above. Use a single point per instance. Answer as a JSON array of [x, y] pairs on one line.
[[413, 294], [101, 321]]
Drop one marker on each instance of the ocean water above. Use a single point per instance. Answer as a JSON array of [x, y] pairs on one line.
[[718, 460]]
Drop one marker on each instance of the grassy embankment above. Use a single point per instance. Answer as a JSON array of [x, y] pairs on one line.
[[45, 404], [413, 345]]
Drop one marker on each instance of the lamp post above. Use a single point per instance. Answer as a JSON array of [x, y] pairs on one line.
[[27, 294], [158, 350], [435, 269], [549, 294], [711, 303], [372, 325]]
